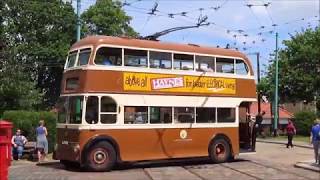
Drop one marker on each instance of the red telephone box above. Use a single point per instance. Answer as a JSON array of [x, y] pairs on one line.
[[5, 148]]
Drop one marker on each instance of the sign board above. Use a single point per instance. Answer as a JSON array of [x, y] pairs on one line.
[[177, 83]]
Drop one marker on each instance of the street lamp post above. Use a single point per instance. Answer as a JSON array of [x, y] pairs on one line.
[[258, 78]]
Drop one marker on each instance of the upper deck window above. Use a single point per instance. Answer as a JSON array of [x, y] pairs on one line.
[[205, 63], [241, 67], [108, 56], [183, 62], [225, 65], [84, 56], [135, 58], [71, 59], [161, 60]]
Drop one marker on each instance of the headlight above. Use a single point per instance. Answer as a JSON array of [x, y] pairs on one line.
[[76, 148]]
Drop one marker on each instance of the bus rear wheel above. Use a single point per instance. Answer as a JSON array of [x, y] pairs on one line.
[[220, 150], [101, 157]]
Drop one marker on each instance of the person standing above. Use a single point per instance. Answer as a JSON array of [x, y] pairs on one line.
[[291, 131], [42, 142], [315, 139], [256, 129], [18, 141]]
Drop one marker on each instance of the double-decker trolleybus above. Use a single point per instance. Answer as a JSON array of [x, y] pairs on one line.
[[126, 99]]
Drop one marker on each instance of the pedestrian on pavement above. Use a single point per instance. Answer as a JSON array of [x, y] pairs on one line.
[[315, 139], [42, 142], [18, 141], [291, 131]]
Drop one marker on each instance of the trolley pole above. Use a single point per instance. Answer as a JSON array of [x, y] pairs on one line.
[[276, 106], [78, 19]]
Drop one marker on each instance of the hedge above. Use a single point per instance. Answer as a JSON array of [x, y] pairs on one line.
[[303, 121], [28, 121]]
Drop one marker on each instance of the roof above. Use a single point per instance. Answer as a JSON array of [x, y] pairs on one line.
[[283, 113], [132, 42]]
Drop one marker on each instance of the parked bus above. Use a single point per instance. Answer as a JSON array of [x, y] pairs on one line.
[[125, 100]]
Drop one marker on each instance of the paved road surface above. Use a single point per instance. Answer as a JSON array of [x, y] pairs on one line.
[[271, 162]]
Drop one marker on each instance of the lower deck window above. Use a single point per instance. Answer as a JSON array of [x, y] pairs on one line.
[[108, 118], [70, 109], [184, 114], [135, 115], [226, 115], [206, 115], [92, 110], [160, 115], [75, 109], [108, 110]]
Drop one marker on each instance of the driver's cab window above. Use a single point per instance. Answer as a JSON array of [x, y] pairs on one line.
[[92, 110]]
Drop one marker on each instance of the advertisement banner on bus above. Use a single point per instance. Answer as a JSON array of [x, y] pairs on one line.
[[177, 83]]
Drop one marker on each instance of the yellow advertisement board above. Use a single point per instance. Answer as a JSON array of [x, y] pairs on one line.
[[177, 83]]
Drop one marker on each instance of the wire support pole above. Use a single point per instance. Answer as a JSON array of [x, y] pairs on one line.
[[276, 106], [78, 19]]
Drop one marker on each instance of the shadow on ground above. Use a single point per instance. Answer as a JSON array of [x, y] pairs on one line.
[[141, 164]]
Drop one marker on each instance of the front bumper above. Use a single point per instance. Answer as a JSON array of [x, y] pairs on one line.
[[70, 152]]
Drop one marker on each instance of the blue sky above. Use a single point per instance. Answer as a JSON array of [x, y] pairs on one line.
[[248, 25]]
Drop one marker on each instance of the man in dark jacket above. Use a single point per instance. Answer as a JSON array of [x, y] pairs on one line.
[[256, 128]]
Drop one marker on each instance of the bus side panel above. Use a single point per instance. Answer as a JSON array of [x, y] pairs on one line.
[[148, 144]]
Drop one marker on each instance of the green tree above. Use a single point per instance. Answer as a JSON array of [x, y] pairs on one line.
[[299, 68], [107, 18], [41, 33], [37, 35], [303, 121], [17, 90]]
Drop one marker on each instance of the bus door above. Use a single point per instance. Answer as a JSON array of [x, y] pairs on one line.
[[245, 128]]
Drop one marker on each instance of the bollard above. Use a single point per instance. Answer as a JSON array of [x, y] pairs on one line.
[[5, 148]]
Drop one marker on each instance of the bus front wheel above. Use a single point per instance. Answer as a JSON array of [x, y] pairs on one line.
[[220, 150], [101, 157]]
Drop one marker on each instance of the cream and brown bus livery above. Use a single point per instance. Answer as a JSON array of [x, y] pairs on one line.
[[126, 99]]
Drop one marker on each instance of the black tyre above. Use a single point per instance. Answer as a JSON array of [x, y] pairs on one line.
[[101, 157], [220, 150]]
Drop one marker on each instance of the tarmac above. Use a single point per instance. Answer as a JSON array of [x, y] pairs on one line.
[[308, 165]]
